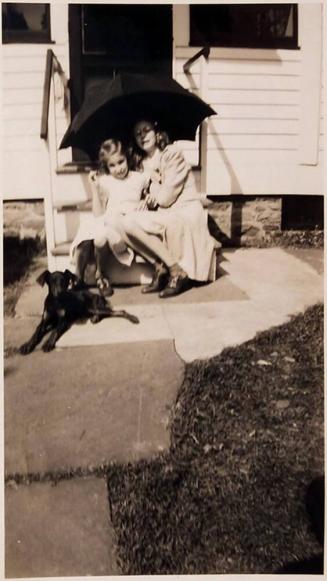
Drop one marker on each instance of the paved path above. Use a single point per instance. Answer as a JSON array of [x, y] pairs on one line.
[[108, 398], [257, 289]]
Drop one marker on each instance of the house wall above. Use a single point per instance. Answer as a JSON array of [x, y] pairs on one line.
[[25, 160], [262, 142], [267, 137]]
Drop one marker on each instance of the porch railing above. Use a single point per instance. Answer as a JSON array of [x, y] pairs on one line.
[[52, 66], [203, 56], [205, 51]]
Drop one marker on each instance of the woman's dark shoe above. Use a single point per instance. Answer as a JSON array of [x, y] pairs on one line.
[[176, 285], [159, 281]]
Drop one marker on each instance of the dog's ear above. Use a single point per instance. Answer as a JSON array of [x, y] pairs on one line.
[[70, 277], [43, 278]]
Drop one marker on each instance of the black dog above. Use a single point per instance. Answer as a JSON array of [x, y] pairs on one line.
[[64, 305]]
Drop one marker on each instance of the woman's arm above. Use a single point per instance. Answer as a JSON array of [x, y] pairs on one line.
[[175, 172], [99, 201]]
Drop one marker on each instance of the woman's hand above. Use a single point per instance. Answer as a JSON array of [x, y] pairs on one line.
[[155, 176], [149, 203]]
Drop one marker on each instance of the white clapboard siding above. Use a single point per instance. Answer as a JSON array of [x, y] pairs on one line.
[[243, 81], [252, 126], [23, 80], [241, 172], [253, 141], [249, 97], [22, 143], [253, 97], [26, 167], [21, 127], [17, 64], [13, 111], [241, 54], [234, 66], [22, 96], [238, 111], [254, 82]]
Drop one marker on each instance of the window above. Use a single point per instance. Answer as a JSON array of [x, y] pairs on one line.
[[244, 25], [22, 22]]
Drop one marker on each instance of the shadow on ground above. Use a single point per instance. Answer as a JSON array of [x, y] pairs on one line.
[[229, 496], [18, 256]]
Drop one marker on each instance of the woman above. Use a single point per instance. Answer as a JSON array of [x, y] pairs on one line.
[[175, 237]]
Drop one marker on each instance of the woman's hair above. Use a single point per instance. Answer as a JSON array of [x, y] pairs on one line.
[[136, 154], [108, 148]]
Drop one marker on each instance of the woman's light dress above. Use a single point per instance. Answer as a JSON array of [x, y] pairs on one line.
[[180, 221]]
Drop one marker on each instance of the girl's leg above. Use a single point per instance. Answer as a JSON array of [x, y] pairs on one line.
[[101, 252], [84, 255]]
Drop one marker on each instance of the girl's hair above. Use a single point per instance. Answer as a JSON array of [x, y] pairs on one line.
[[108, 148], [136, 154]]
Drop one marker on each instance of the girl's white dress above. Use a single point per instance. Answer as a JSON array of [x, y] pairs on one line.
[[118, 197], [181, 221]]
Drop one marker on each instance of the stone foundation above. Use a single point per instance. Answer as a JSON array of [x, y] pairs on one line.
[[233, 221], [245, 221]]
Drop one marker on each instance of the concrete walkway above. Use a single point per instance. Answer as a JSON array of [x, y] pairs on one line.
[[105, 393], [256, 289]]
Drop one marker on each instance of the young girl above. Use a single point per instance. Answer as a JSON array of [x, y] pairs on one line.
[[116, 191]]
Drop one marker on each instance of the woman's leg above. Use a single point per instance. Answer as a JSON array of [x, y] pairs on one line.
[[83, 256], [150, 245], [101, 251]]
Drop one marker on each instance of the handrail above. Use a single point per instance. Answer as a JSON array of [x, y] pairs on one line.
[[205, 51], [46, 95], [52, 65]]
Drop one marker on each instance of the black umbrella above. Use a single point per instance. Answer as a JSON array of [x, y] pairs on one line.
[[112, 107]]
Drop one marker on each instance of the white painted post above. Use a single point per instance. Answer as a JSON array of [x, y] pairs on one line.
[[310, 16], [50, 145], [204, 126]]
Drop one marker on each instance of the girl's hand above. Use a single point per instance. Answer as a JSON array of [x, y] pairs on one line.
[[93, 176], [119, 246]]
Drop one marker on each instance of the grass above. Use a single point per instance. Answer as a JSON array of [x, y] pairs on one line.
[[246, 441]]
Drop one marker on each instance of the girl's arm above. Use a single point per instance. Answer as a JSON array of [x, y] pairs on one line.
[[98, 200], [175, 171]]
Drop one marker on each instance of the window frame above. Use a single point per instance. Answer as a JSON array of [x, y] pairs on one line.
[[29, 36], [291, 43]]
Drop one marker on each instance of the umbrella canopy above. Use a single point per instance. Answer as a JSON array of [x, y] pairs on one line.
[[112, 107]]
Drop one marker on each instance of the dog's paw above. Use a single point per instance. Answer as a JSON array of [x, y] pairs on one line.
[[48, 346], [25, 349], [134, 319], [95, 319]]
